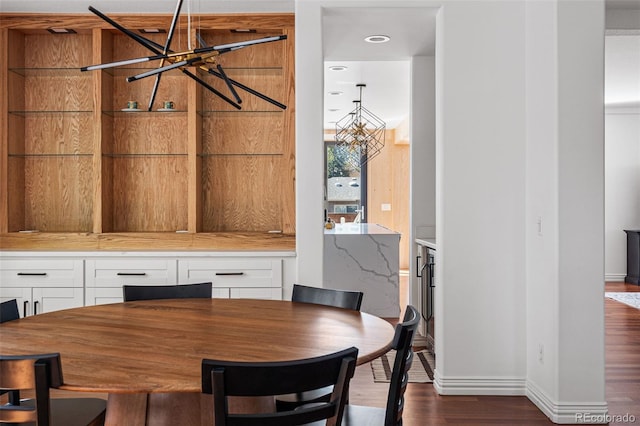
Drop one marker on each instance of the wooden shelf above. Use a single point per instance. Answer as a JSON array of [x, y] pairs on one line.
[[87, 175]]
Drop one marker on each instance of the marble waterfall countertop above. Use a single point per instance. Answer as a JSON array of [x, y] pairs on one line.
[[365, 257], [360, 229]]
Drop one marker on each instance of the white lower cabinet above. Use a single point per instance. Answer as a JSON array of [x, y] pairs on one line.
[[53, 281], [255, 278], [41, 284]]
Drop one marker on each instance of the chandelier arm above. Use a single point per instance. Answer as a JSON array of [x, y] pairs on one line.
[[154, 91], [149, 44], [125, 62], [250, 90], [166, 49], [160, 70], [229, 85], [224, 48], [211, 89]]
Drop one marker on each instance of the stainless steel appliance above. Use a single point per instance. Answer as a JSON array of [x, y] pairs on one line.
[[425, 268]]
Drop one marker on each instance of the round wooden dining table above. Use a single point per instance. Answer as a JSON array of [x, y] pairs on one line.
[[147, 354]]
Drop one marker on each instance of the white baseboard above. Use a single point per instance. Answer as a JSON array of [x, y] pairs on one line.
[[618, 278], [558, 412], [568, 413], [508, 386]]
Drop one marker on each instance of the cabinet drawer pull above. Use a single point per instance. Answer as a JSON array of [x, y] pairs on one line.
[[24, 308], [32, 273], [35, 307], [132, 273], [229, 273]]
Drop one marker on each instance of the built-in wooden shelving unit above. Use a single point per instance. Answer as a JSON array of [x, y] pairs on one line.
[[77, 172]]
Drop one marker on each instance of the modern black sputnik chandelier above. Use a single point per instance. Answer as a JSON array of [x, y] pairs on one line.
[[360, 134], [204, 57]]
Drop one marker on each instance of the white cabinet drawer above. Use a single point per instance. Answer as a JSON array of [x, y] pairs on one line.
[[41, 272], [232, 273], [256, 293], [137, 271], [103, 295]]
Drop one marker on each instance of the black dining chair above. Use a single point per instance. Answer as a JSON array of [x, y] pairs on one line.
[[327, 296], [181, 291], [224, 379], [358, 415], [9, 311], [321, 296], [40, 373]]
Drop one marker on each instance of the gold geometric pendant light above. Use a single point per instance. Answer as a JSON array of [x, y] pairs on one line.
[[360, 134]]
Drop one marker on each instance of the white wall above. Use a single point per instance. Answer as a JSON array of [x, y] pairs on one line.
[[480, 187], [565, 198], [622, 186], [622, 145], [493, 305], [309, 144]]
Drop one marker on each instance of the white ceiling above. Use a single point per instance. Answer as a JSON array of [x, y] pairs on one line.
[[383, 67]]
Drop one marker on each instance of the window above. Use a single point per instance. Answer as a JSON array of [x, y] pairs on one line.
[[345, 186]]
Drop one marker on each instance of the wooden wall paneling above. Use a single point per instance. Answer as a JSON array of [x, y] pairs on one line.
[[242, 193], [194, 154], [103, 164], [149, 193], [244, 133], [4, 133], [289, 154], [59, 193], [15, 128], [150, 167], [380, 184], [401, 196]]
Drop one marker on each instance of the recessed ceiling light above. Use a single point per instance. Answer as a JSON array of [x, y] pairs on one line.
[[61, 31], [338, 68], [152, 31], [377, 39], [334, 109], [243, 30], [336, 93]]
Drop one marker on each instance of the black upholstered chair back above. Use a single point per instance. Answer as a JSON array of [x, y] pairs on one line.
[[181, 291], [327, 296], [223, 379], [9, 311], [403, 344]]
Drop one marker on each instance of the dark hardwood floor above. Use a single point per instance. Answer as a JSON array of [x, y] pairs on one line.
[[423, 406]]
